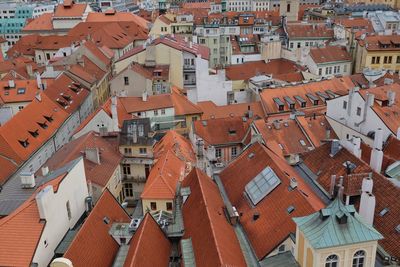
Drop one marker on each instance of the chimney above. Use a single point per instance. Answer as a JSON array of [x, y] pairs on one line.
[[357, 147], [398, 133], [370, 99], [332, 185], [367, 203], [45, 170], [11, 83], [277, 124], [377, 154], [391, 97], [327, 133], [190, 44], [114, 113], [39, 81], [144, 96], [378, 140], [335, 147], [93, 155], [27, 180], [43, 200], [293, 183], [29, 70]]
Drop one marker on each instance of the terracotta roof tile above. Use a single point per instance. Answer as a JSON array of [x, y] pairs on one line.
[[70, 10], [164, 177], [316, 127], [117, 17], [222, 131], [248, 70], [24, 91], [213, 238], [309, 31], [210, 110], [275, 222], [178, 144], [380, 42], [93, 245], [329, 54], [148, 239], [41, 23]]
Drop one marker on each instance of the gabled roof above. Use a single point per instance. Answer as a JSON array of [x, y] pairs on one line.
[[181, 104], [305, 31], [69, 9], [210, 110], [323, 230], [277, 208], [316, 127], [93, 245], [213, 238], [99, 174], [147, 240], [178, 144], [329, 54], [164, 177], [117, 17], [41, 23], [380, 42], [222, 131], [23, 91]]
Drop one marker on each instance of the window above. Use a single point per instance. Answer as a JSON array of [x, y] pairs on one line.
[[378, 60], [320, 71], [288, 8], [359, 258], [141, 130], [69, 211], [183, 124], [169, 205], [155, 112], [387, 60], [128, 190], [344, 104], [298, 45], [345, 68], [234, 151], [332, 261], [143, 150], [20, 108], [163, 112], [358, 111], [291, 45], [373, 60], [126, 80], [281, 248], [218, 152], [127, 150], [21, 91], [153, 205], [126, 169]]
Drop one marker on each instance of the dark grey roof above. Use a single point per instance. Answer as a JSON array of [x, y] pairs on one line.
[[12, 195], [285, 259], [131, 135]]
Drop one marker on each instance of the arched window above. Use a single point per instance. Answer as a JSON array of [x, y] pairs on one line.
[[359, 258], [332, 261]]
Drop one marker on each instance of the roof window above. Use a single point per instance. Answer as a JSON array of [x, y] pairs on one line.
[[262, 185], [24, 143], [383, 212], [34, 133], [43, 125], [21, 91]]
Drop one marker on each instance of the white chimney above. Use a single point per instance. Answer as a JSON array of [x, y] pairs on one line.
[[370, 99], [391, 97], [398, 133], [45, 170], [43, 201], [332, 185], [378, 140], [114, 113], [367, 203], [11, 83], [39, 81], [27, 180], [144, 96], [190, 44], [29, 70], [357, 147], [376, 160], [293, 183], [93, 155]]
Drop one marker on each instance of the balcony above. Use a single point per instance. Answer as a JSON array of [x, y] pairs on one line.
[[189, 82], [130, 178], [189, 67]]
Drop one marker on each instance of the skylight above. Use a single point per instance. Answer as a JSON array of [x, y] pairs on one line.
[[262, 185]]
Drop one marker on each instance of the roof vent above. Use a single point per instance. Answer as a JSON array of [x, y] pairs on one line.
[[204, 123], [383, 212], [293, 183], [341, 217], [106, 220], [256, 215], [251, 155], [290, 209], [27, 180]]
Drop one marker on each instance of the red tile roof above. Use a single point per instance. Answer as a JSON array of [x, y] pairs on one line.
[[338, 86], [329, 54], [147, 240], [308, 31], [196, 5], [248, 70], [164, 177], [275, 223], [99, 174], [178, 144], [117, 17], [355, 23], [11, 95], [70, 9], [213, 238], [316, 127], [93, 245], [210, 110], [222, 131], [386, 193], [376, 42], [41, 23]]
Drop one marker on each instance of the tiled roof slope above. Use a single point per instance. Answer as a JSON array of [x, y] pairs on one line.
[[149, 246], [386, 193], [164, 177], [275, 222], [329, 54], [178, 144], [222, 131], [116, 17], [213, 238], [316, 127], [210, 110], [70, 9], [306, 31], [98, 174], [328, 232], [41, 23], [93, 245]]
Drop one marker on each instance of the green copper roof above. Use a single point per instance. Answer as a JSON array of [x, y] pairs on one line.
[[336, 225], [393, 170]]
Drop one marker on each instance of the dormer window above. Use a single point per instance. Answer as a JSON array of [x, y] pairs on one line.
[[34, 133], [21, 91], [232, 131], [24, 143], [62, 102], [49, 118], [43, 125], [67, 97]]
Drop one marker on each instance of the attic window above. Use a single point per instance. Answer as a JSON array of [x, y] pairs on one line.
[[62, 102], [106, 220], [290, 209], [302, 142], [251, 155], [34, 133], [383, 212], [49, 118], [21, 91], [24, 143], [67, 97], [43, 125], [232, 131]]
